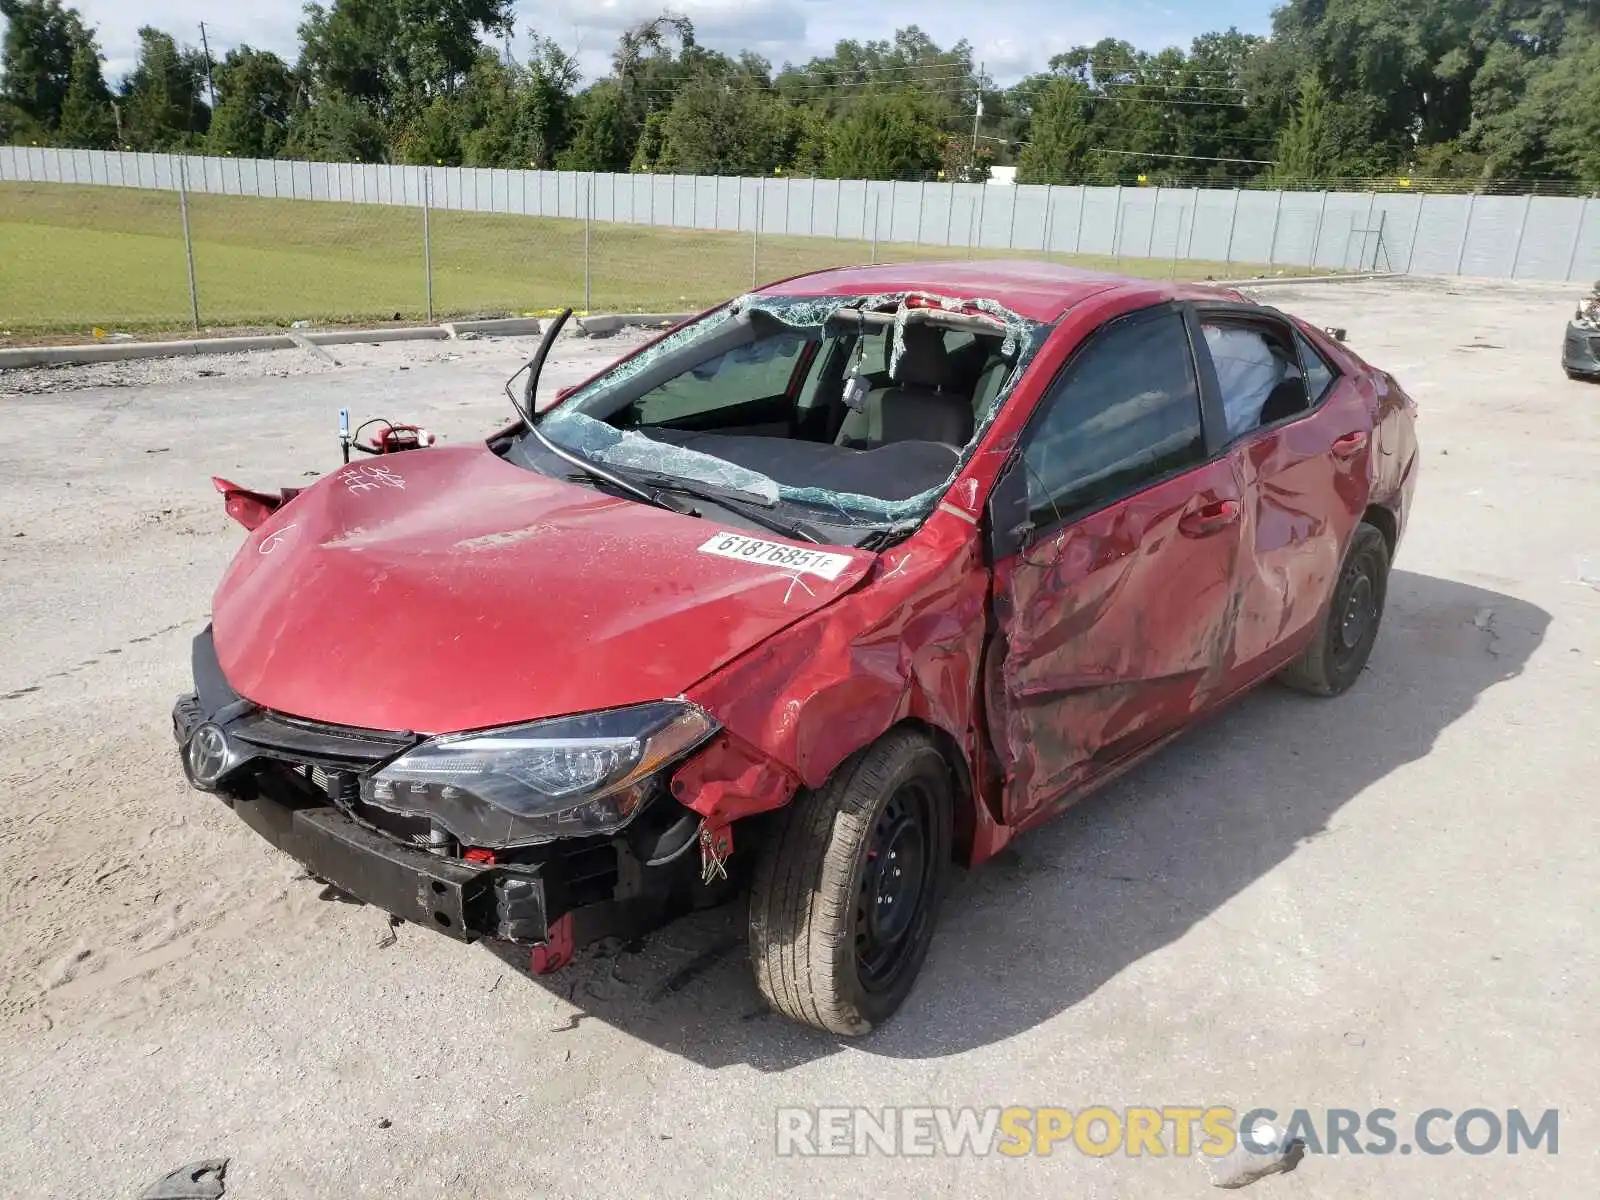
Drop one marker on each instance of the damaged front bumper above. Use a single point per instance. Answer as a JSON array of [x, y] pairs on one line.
[[278, 798], [298, 784], [1580, 353]]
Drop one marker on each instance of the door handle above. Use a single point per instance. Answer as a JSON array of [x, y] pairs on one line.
[[1209, 518], [1350, 444]]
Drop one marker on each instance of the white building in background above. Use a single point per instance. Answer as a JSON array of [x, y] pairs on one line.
[[1003, 176]]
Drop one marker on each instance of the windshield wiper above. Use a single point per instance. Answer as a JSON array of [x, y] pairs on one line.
[[605, 474], [746, 504]]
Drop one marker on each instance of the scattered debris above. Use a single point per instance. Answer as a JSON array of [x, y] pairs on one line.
[[1263, 1150], [384, 1123], [389, 937], [1354, 1039], [299, 324], [198, 1181], [157, 449]]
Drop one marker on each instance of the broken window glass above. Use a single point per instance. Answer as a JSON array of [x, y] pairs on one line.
[[753, 398]]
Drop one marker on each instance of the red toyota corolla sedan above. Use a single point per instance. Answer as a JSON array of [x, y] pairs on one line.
[[839, 585]]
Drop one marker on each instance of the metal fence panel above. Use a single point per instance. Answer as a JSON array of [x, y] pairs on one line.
[[1097, 228], [703, 209], [1584, 263], [1493, 236], [1211, 223], [1438, 243], [1547, 238], [1254, 229]]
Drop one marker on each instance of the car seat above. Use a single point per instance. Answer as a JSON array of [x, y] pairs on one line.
[[919, 407]]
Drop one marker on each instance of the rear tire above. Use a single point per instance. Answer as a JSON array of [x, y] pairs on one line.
[[1335, 658], [844, 898]]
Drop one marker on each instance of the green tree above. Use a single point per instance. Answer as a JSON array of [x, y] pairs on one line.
[[885, 137], [433, 136], [397, 56], [256, 97], [161, 98], [1575, 138], [721, 127], [1303, 145], [602, 139], [41, 40], [1058, 148], [545, 109], [87, 120], [337, 128]]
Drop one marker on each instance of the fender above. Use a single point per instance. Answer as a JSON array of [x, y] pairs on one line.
[[907, 644]]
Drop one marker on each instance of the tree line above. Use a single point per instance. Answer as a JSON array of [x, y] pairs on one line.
[[1480, 91]]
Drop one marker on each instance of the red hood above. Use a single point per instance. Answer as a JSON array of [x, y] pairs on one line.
[[447, 589]]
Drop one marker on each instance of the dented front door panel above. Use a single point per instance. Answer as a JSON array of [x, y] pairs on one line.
[[1113, 629]]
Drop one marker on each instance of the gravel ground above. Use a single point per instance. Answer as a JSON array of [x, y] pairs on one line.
[[1387, 900]]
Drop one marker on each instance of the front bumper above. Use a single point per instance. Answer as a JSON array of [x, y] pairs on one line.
[[1580, 352], [461, 899], [296, 784]]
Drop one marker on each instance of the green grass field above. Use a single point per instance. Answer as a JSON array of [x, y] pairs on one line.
[[76, 258]]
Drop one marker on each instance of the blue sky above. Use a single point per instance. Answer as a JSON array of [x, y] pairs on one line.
[[1012, 37]]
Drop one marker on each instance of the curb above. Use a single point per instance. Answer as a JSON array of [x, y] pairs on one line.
[[609, 323], [50, 356], [44, 356], [347, 337], [496, 327]]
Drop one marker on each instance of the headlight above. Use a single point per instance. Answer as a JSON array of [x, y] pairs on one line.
[[526, 784]]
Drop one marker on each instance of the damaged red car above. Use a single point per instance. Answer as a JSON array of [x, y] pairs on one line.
[[826, 592]]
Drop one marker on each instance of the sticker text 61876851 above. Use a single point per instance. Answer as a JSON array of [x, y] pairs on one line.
[[777, 554]]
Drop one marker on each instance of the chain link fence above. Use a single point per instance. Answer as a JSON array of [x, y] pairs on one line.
[[268, 245]]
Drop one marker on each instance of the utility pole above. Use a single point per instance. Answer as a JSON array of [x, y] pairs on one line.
[[977, 115], [210, 86]]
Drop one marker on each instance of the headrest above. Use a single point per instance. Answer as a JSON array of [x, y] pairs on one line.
[[924, 362]]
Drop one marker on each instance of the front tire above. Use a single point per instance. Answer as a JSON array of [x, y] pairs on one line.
[[1335, 658], [844, 898]]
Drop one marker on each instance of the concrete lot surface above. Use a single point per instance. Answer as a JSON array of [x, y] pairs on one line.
[[1384, 901]]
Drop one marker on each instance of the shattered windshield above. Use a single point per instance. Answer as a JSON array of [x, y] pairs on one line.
[[862, 408]]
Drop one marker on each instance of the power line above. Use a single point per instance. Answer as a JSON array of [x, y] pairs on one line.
[[1153, 100], [876, 70], [1174, 87], [1259, 162], [1147, 69]]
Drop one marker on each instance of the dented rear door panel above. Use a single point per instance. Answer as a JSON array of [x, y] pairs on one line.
[[1303, 500]]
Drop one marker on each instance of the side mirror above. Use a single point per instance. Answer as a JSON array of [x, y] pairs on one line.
[[1008, 516]]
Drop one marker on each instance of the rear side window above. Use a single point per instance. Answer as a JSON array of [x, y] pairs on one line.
[[1319, 375], [1125, 413]]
